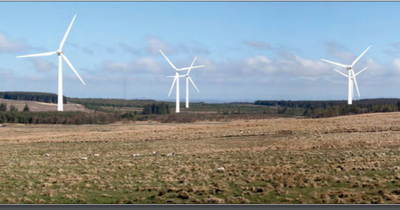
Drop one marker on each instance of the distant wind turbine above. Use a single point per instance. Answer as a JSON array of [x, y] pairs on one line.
[[61, 56], [176, 79], [187, 82], [351, 76]]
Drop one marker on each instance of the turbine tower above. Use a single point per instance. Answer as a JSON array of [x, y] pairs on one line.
[[61, 56], [176, 79], [351, 76]]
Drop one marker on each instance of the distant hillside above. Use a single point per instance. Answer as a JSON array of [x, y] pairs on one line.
[[35, 106], [110, 105], [333, 108]]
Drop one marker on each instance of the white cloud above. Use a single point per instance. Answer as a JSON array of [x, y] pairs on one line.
[[257, 44], [110, 49], [79, 47], [309, 67], [193, 47], [35, 77], [6, 73], [42, 65], [129, 49], [114, 66], [284, 68], [340, 52], [258, 59], [146, 64], [394, 49], [396, 64], [139, 65], [209, 65], [156, 44], [259, 63], [10, 46]]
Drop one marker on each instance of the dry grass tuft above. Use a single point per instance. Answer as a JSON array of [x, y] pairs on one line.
[[213, 200]]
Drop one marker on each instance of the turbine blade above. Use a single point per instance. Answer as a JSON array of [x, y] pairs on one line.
[[337, 64], [66, 34], [193, 84], [191, 66], [168, 61], [70, 65], [37, 55], [355, 82], [341, 73], [172, 86], [358, 58], [361, 71]]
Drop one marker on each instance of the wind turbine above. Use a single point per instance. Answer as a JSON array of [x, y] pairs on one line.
[[176, 79], [61, 56], [187, 82], [351, 76]]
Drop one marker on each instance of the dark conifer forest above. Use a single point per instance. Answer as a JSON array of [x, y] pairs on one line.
[[32, 96]]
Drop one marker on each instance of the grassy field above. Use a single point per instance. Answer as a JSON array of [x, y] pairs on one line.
[[352, 159]]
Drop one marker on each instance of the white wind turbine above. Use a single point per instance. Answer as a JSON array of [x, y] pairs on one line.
[[187, 82], [61, 56], [351, 76], [176, 79]]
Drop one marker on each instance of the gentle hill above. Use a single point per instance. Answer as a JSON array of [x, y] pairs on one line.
[[35, 106], [112, 104]]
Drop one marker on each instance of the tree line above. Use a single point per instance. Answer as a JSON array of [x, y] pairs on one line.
[[319, 109], [58, 118], [349, 110], [12, 115], [32, 96], [98, 103], [156, 108], [326, 104], [3, 108]]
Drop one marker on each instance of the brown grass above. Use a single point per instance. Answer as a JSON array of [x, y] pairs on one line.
[[352, 159]]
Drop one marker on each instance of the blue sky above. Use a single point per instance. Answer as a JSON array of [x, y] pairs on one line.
[[251, 50]]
